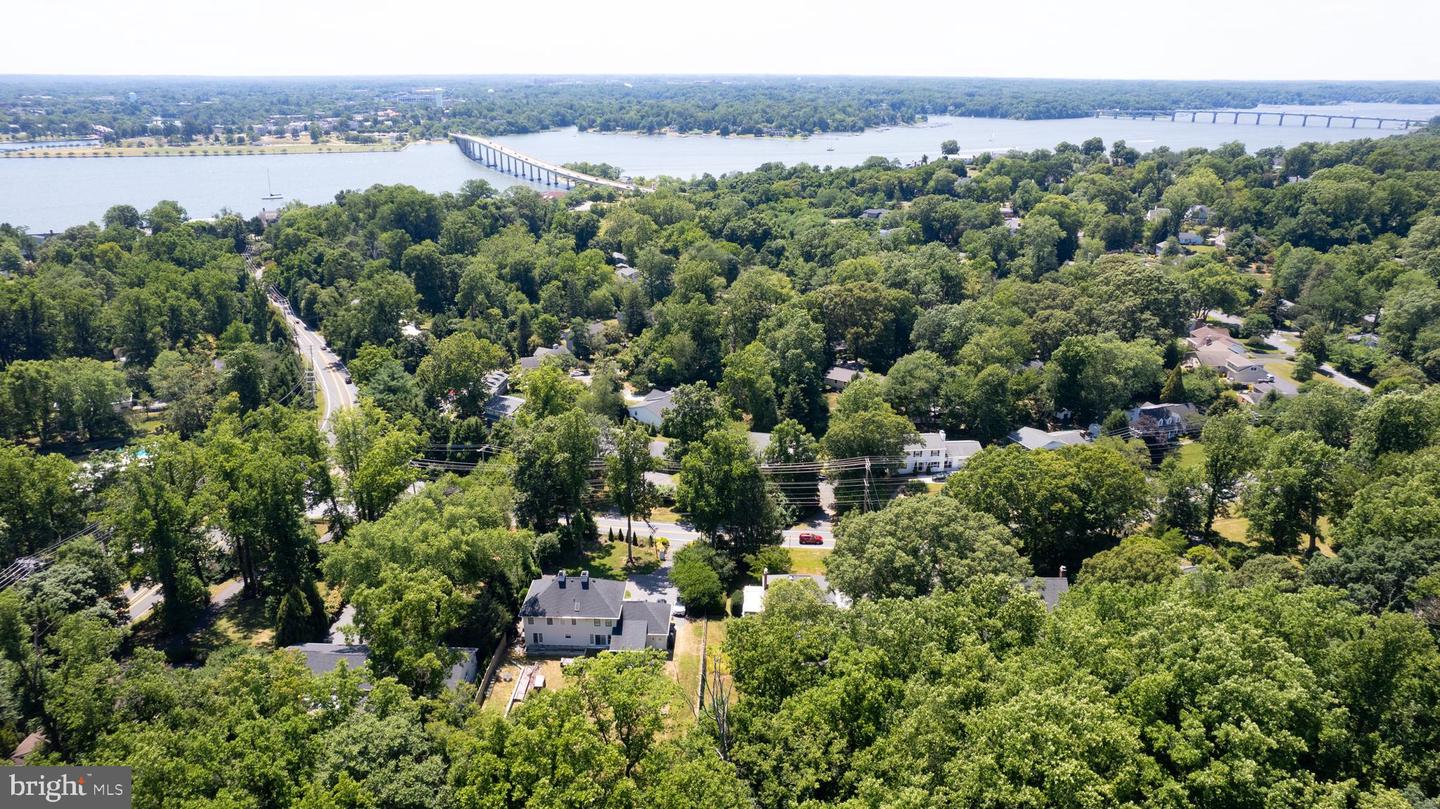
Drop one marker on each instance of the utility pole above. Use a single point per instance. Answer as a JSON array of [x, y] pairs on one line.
[[865, 500]]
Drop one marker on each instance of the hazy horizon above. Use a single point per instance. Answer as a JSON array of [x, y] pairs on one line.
[[693, 76], [1226, 40]]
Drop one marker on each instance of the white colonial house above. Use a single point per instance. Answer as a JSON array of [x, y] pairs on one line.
[[933, 453], [577, 614]]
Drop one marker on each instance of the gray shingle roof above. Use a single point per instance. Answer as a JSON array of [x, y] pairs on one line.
[[322, 658], [549, 597], [1049, 588], [652, 615]]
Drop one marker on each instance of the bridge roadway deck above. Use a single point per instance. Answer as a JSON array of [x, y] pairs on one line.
[[545, 166], [1196, 117]]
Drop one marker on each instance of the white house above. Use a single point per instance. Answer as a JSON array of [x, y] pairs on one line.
[[753, 595], [1031, 438], [651, 410], [840, 376], [577, 614], [1189, 238], [752, 600], [1246, 370], [933, 453], [1212, 348]]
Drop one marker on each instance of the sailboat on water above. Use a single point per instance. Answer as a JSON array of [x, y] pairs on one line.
[[270, 189]]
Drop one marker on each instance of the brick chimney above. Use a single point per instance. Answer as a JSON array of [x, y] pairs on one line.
[[584, 580], [560, 579]]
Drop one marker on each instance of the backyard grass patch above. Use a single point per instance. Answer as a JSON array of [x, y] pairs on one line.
[[808, 560], [1191, 455]]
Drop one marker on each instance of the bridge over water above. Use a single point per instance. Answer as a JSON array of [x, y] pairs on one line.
[[503, 158], [1258, 117]]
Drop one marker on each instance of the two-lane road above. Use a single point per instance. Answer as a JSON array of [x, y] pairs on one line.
[[330, 375]]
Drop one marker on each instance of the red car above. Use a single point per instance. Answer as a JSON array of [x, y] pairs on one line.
[[811, 539]]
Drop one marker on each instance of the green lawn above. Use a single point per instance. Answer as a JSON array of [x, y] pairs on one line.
[[606, 560], [1191, 455], [685, 667], [808, 560]]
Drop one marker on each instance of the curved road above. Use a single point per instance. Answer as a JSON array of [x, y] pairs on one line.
[[330, 375]]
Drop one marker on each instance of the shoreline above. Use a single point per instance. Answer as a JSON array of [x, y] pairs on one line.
[[91, 153]]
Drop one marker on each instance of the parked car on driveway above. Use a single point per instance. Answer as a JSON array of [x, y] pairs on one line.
[[811, 539]]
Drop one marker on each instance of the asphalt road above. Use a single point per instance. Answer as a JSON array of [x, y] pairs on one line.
[[1289, 342], [146, 599], [330, 375]]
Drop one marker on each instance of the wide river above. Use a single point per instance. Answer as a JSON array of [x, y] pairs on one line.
[[55, 193]]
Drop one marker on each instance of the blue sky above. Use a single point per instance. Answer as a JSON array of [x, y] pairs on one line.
[[1210, 39]]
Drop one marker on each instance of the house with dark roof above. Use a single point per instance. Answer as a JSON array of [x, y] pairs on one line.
[[537, 359], [1049, 588], [1165, 420], [566, 615], [322, 658]]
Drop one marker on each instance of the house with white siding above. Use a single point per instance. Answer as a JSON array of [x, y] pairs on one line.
[[933, 453], [567, 615], [651, 409]]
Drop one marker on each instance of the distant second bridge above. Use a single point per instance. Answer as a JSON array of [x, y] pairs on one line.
[[1269, 117], [503, 158]]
